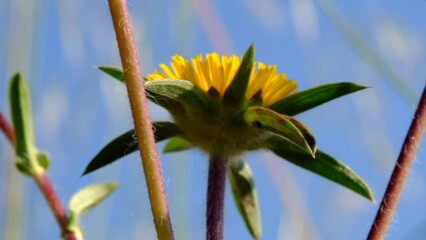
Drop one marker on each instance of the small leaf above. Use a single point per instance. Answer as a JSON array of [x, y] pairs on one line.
[[126, 144], [23, 167], [305, 100], [20, 105], [245, 196], [323, 165], [168, 91], [43, 160], [236, 91], [114, 72], [282, 125], [88, 197], [176, 144]]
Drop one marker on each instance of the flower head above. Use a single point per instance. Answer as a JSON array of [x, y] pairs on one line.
[[218, 72], [222, 103]]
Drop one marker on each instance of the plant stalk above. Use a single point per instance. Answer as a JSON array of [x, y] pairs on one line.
[[399, 175], [143, 127], [215, 196], [45, 187], [54, 203], [7, 129]]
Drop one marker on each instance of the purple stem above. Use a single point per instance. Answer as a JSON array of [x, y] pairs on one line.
[[215, 196], [399, 175]]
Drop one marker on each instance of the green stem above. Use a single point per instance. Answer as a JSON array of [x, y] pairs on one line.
[[400, 173], [215, 196], [143, 126]]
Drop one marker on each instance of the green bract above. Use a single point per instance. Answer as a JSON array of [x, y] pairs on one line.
[[234, 117]]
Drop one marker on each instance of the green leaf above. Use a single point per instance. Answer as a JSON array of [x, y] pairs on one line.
[[305, 100], [323, 165], [165, 102], [89, 197], [282, 125], [176, 144], [114, 72], [245, 196], [20, 105], [169, 91], [236, 91], [126, 144], [23, 167], [29, 161], [43, 160], [84, 200]]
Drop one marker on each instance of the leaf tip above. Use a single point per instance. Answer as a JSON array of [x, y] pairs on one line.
[[86, 171]]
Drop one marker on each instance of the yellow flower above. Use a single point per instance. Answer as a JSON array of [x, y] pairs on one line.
[[218, 72]]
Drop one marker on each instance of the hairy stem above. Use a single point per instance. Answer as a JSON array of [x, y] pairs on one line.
[[215, 196], [45, 187], [143, 127], [400, 173]]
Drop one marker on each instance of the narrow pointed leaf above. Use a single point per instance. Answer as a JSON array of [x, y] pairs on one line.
[[20, 105], [169, 91], [245, 196], [236, 91], [126, 144], [305, 100], [114, 72], [285, 126], [176, 144], [117, 73], [89, 197], [323, 165]]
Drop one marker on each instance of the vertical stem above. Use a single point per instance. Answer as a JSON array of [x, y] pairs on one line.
[[143, 127], [215, 196], [400, 173]]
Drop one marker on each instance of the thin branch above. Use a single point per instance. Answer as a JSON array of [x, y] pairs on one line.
[[55, 204], [215, 196], [45, 187], [395, 186], [143, 126], [7, 129]]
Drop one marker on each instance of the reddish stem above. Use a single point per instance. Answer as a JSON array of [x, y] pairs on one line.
[[44, 185], [55, 204], [215, 196], [7, 129], [143, 127], [400, 173]]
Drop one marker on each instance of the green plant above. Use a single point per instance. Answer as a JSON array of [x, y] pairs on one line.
[[227, 107], [32, 162]]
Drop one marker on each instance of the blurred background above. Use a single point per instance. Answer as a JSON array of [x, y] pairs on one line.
[[77, 110]]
